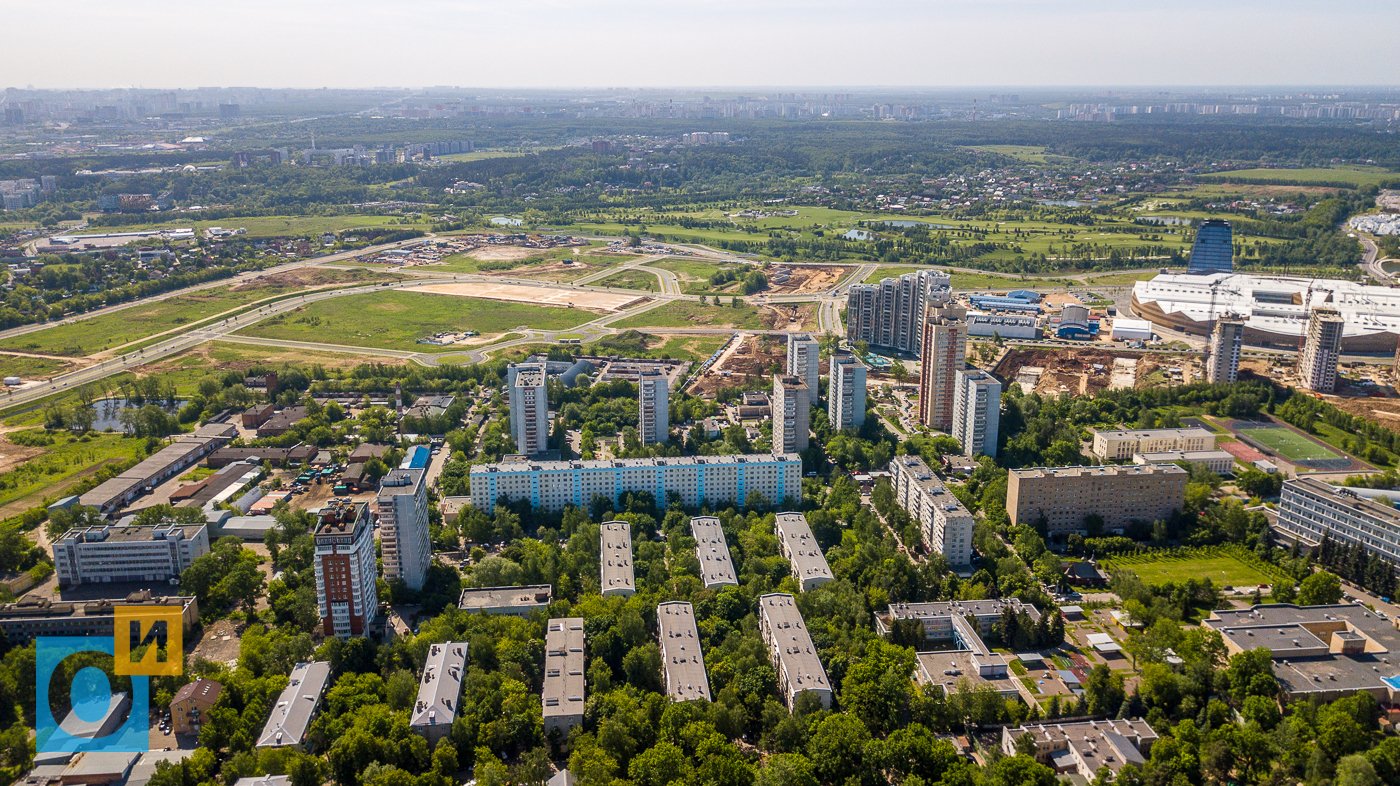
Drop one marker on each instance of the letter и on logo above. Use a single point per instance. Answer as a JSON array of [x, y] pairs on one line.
[[149, 642]]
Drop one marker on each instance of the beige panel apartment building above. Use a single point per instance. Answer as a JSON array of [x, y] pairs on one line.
[[1120, 494], [1121, 445]]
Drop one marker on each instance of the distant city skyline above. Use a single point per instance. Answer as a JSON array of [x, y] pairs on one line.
[[551, 44]]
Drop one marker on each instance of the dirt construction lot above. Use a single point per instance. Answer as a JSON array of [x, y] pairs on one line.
[[747, 367], [549, 296], [807, 278]]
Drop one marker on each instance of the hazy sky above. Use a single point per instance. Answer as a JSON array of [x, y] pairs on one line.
[[641, 43]]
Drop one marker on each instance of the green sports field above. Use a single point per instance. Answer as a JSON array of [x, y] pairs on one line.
[[1221, 568], [1290, 444]]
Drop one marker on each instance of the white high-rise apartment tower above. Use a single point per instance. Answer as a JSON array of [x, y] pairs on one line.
[[792, 413], [976, 412], [804, 362], [944, 354], [529, 409], [402, 507], [654, 409], [1223, 362], [845, 395], [1317, 368]]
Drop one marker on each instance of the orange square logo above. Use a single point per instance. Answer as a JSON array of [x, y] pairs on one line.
[[148, 642]]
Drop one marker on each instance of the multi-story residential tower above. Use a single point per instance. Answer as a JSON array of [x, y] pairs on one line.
[[345, 570], [564, 682], [944, 355], [681, 659], [615, 558], [108, 553], [976, 412], [529, 409], [804, 362], [804, 554], [1213, 251], [1064, 496], [653, 408], [792, 412], [402, 505], [891, 313], [1223, 355], [1317, 368], [845, 395], [946, 524], [791, 651], [716, 566], [551, 485]]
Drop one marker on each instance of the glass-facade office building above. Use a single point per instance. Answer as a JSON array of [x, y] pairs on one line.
[[1214, 250]]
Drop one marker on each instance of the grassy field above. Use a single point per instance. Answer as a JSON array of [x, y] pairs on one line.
[[631, 279], [1030, 153], [396, 320], [87, 336], [275, 226], [1219, 564], [694, 274], [141, 321], [464, 263], [1122, 279], [1290, 444], [65, 461], [31, 368], [891, 271], [988, 281], [688, 347], [1355, 175], [479, 155], [687, 314]]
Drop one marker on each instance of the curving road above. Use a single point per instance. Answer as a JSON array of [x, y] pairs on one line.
[[222, 282]]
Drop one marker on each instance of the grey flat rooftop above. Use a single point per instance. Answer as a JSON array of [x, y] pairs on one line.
[[440, 687], [794, 644], [681, 658], [486, 598], [948, 669], [564, 682], [716, 565], [636, 463], [296, 705], [615, 557], [961, 608], [806, 556]]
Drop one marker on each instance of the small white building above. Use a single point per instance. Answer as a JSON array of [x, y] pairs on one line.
[[1131, 329]]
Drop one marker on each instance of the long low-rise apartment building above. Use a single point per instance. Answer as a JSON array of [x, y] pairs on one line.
[[799, 545], [512, 601], [439, 691], [564, 682], [945, 522], [1310, 509], [176, 457], [296, 707], [682, 662], [551, 485], [716, 565], [791, 651], [113, 553], [615, 559], [36, 615], [1086, 747], [1121, 445], [1064, 496]]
